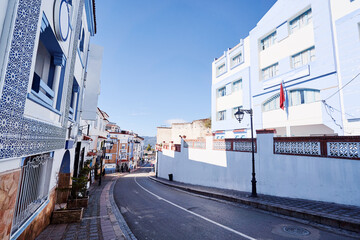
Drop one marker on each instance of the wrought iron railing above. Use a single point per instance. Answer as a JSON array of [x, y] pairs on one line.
[[33, 188]]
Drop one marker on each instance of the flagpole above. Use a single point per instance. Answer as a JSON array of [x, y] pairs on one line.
[[284, 104]]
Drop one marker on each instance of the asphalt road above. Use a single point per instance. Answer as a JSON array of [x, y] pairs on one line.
[[155, 211]]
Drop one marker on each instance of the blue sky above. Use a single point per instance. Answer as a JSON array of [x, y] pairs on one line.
[[158, 54]]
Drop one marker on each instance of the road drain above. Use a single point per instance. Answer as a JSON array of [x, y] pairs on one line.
[[296, 231]]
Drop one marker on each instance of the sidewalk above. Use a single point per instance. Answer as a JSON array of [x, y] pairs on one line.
[[335, 215], [100, 220]]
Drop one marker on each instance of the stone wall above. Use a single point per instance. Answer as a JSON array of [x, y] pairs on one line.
[[9, 182], [41, 221]]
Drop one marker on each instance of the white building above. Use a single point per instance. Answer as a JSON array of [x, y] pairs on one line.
[[310, 46], [44, 48]]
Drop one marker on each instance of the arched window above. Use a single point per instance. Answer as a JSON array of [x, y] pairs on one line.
[[272, 103], [296, 97], [303, 96]]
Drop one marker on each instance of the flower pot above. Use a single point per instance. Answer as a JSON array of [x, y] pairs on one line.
[[66, 216], [78, 203]]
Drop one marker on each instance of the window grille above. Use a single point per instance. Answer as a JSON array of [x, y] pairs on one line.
[[33, 187]]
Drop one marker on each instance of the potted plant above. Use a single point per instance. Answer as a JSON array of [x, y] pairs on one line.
[[79, 197], [61, 214]]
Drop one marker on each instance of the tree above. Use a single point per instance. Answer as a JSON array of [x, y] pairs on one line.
[[148, 148], [207, 123]]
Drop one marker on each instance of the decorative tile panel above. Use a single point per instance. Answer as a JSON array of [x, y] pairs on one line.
[[20, 136]]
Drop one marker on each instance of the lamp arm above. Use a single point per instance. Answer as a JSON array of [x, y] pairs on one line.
[[248, 111]]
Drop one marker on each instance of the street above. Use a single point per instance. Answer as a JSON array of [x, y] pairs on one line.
[[155, 211]]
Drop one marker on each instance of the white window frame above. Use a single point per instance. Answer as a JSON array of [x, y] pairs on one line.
[[268, 41], [221, 69], [221, 92], [300, 21], [303, 58], [221, 115], [237, 85], [270, 71]]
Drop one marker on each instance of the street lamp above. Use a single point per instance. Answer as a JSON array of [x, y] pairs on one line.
[[239, 115], [106, 144]]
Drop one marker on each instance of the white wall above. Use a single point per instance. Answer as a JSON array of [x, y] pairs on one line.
[[314, 178]]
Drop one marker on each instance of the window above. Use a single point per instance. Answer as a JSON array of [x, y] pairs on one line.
[[82, 39], [301, 21], [33, 189], [303, 58], [237, 85], [222, 92], [221, 69], [74, 100], [270, 71], [237, 59], [123, 146], [46, 86], [272, 103], [221, 115], [296, 97], [268, 41], [234, 111], [303, 96]]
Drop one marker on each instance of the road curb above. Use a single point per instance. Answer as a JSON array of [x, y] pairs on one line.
[[276, 208], [123, 227]]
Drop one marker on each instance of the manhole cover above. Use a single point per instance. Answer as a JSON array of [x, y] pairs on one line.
[[296, 231]]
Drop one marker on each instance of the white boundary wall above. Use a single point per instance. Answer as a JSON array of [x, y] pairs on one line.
[[314, 178]]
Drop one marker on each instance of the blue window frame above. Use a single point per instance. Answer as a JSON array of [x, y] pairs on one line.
[[49, 56]]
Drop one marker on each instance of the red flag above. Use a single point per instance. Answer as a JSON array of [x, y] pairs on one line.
[[282, 97]]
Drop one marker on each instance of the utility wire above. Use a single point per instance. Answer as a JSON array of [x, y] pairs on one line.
[[329, 109], [343, 86]]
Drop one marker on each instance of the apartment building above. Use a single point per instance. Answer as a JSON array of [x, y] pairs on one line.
[[44, 49], [230, 90], [126, 151], [303, 45]]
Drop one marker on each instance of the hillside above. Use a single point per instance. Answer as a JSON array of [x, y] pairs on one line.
[[149, 140]]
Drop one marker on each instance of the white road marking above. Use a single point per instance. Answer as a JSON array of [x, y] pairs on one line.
[[198, 215]]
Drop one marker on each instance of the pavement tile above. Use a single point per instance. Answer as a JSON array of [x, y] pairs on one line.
[[97, 228]]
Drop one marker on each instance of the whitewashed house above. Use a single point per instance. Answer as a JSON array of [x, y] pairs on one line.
[[311, 47], [44, 49]]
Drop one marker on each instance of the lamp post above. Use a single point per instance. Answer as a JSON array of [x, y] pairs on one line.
[[106, 144], [239, 115]]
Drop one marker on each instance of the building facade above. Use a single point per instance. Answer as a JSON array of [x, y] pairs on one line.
[[194, 130], [44, 47], [126, 152], [305, 47]]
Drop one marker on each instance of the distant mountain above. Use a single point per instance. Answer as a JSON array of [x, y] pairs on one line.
[[149, 140]]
